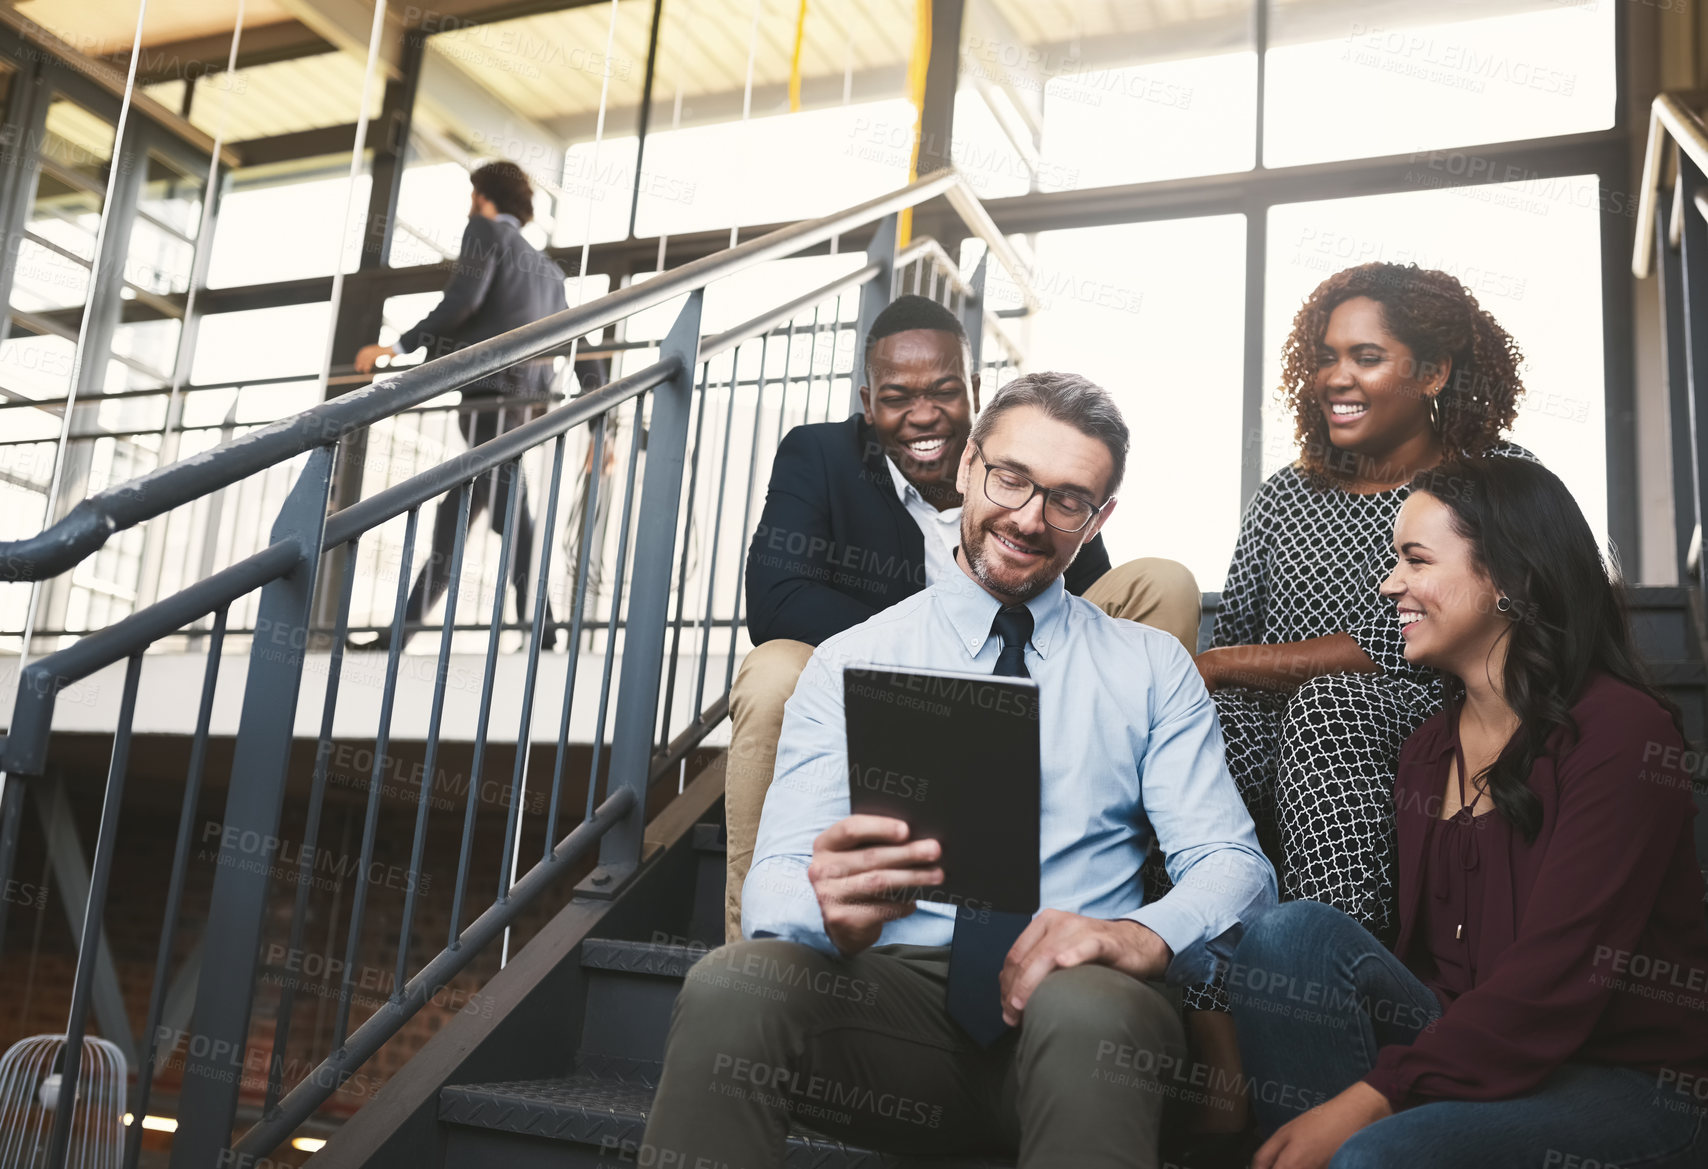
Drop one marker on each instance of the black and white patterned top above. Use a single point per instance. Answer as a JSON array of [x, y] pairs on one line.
[[1308, 563]]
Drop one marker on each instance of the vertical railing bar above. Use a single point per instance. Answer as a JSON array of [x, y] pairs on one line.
[[616, 609], [836, 331], [382, 745], [175, 890], [854, 354], [687, 541], [483, 567], [651, 563], [524, 732], [94, 910], [372, 599], [835, 337], [488, 678], [830, 365], [237, 914], [788, 379], [435, 720], [746, 516], [812, 363], [595, 466], [717, 533], [311, 821]]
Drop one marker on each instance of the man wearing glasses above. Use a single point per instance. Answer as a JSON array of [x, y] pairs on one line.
[[863, 513], [838, 1011]]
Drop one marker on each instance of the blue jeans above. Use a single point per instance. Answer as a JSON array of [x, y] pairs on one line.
[[1315, 996]]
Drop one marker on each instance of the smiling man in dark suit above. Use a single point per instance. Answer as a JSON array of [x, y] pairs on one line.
[[863, 513]]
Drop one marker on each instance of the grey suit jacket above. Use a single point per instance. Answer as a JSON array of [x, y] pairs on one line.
[[498, 282]]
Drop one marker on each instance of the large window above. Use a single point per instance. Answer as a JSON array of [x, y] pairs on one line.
[[1348, 81], [1094, 94], [1396, 99], [1153, 312], [288, 228]]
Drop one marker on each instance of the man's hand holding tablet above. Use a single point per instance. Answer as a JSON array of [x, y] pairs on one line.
[[862, 869]]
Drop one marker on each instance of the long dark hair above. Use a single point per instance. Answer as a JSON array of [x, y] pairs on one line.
[[1568, 618]]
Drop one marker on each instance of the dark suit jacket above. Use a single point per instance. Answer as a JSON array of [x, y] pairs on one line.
[[499, 281], [836, 545]]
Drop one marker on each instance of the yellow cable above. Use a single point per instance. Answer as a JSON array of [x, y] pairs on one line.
[[795, 61], [916, 93]]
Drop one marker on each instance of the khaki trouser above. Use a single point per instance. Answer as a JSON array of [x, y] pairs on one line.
[[1152, 591], [862, 1049]]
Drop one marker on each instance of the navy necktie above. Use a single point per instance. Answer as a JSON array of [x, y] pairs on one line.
[[984, 936]]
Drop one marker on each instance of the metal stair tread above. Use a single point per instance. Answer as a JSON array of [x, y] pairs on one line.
[[601, 1109], [1657, 597], [1677, 671], [666, 960]]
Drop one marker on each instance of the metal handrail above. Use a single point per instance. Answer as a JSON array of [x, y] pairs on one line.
[[1684, 126], [89, 524]]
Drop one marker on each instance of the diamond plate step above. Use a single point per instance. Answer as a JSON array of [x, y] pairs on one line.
[[609, 1111], [656, 958]]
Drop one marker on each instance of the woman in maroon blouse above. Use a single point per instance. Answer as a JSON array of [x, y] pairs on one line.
[[1546, 1002]]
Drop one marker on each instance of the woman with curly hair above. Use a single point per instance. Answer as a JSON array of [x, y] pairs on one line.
[[1388, 370], [1542, 1003]]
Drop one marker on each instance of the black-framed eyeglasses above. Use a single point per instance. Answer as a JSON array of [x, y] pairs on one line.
[[1063, 510]]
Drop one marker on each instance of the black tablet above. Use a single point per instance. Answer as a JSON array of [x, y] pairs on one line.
[[956, 756]]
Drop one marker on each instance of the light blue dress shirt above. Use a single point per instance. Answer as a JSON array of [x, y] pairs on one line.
[[1131, 758]]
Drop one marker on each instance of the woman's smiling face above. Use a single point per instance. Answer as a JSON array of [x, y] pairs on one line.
[[1373, 392], [1446, 601]]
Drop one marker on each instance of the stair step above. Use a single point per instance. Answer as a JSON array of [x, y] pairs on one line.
[[1677, 672], [609, 1111], [711, 863], [631, 988], [1658, 597], [656, 958]]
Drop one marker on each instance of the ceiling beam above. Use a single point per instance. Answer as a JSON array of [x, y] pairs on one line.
[[299, 144], [823, 92], [111, 80], [347, 25], [263, 44], [445, 14], [287, 40]]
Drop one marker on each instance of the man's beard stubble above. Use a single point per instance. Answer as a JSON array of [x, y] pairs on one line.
[[977, 562]]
